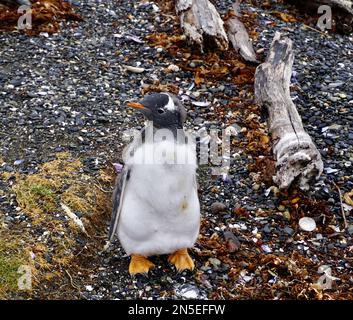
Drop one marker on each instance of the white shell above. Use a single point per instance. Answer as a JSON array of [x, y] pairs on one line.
[[134, 69], [307, 224], [201, 103]]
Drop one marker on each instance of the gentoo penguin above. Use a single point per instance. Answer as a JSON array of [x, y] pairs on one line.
[[156, 209]]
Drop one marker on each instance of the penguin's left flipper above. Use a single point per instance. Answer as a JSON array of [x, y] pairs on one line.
[[118, 199]]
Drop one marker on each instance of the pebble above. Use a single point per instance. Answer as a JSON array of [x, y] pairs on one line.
[[215, 262], [218, 207], [188, 291], [319, 236], [89, 288], [233, 244], [266, 248], [350, 229], [336, 84], [267, 229], [18, 162], [288, 230], [173, 68], [307, 224], [286, 215]]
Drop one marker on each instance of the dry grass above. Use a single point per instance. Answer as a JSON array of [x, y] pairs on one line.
[[58, 181], [55, 247]]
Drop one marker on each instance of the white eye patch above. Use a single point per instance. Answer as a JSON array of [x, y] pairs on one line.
[[170, 105]]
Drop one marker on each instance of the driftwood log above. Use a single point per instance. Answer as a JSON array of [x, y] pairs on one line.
[[238, 35], [15, 2], [342, 11], [203, 26], [201, 23], [297, 158]]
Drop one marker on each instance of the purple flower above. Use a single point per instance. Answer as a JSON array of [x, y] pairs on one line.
[[118, 167]]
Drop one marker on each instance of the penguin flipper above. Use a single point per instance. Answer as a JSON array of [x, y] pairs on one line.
[[118, 199]]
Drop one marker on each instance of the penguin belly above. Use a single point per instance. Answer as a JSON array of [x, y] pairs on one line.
[[160, 211]]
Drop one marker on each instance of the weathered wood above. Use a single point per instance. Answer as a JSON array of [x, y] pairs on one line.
[[342, 11], [297, 158], [202, 23], [15, 2], [238, 35]]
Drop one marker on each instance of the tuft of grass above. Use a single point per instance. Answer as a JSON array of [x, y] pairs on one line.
[[8, 275], [12, 256]]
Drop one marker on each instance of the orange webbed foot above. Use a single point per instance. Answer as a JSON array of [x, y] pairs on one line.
[[181, 260], [139, 264]]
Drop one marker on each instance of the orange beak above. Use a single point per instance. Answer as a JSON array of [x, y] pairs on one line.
[[136, 105]]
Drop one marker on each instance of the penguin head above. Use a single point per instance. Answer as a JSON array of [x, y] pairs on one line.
[[165, 110]]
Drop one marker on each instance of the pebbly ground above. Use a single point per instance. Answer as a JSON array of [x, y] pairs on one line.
[[66, 92]]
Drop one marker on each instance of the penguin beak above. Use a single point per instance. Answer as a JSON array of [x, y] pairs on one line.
[[136, 105]]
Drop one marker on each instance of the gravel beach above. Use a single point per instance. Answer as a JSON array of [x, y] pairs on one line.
[[65, 93]]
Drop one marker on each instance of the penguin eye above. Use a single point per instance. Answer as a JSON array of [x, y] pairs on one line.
[[160, 110]]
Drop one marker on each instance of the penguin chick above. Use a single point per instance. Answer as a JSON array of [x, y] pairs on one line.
[[156, 208]]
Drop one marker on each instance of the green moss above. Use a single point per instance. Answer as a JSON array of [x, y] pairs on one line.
[[11, 258], [8, 274], [41, 190]]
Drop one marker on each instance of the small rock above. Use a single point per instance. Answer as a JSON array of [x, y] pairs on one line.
[[266, 248], [307, 224], [319, 236], [333, 127], [18, 162], [267, 229], [188, 291], [173, 68], [233, 129], [288, 230], [335, 84], [350, 229], [233, 244], [218, 207], [89, 288], [198, 121], [342, 95], [286, 215], [334, 99], [195, 63], [215, 262]]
